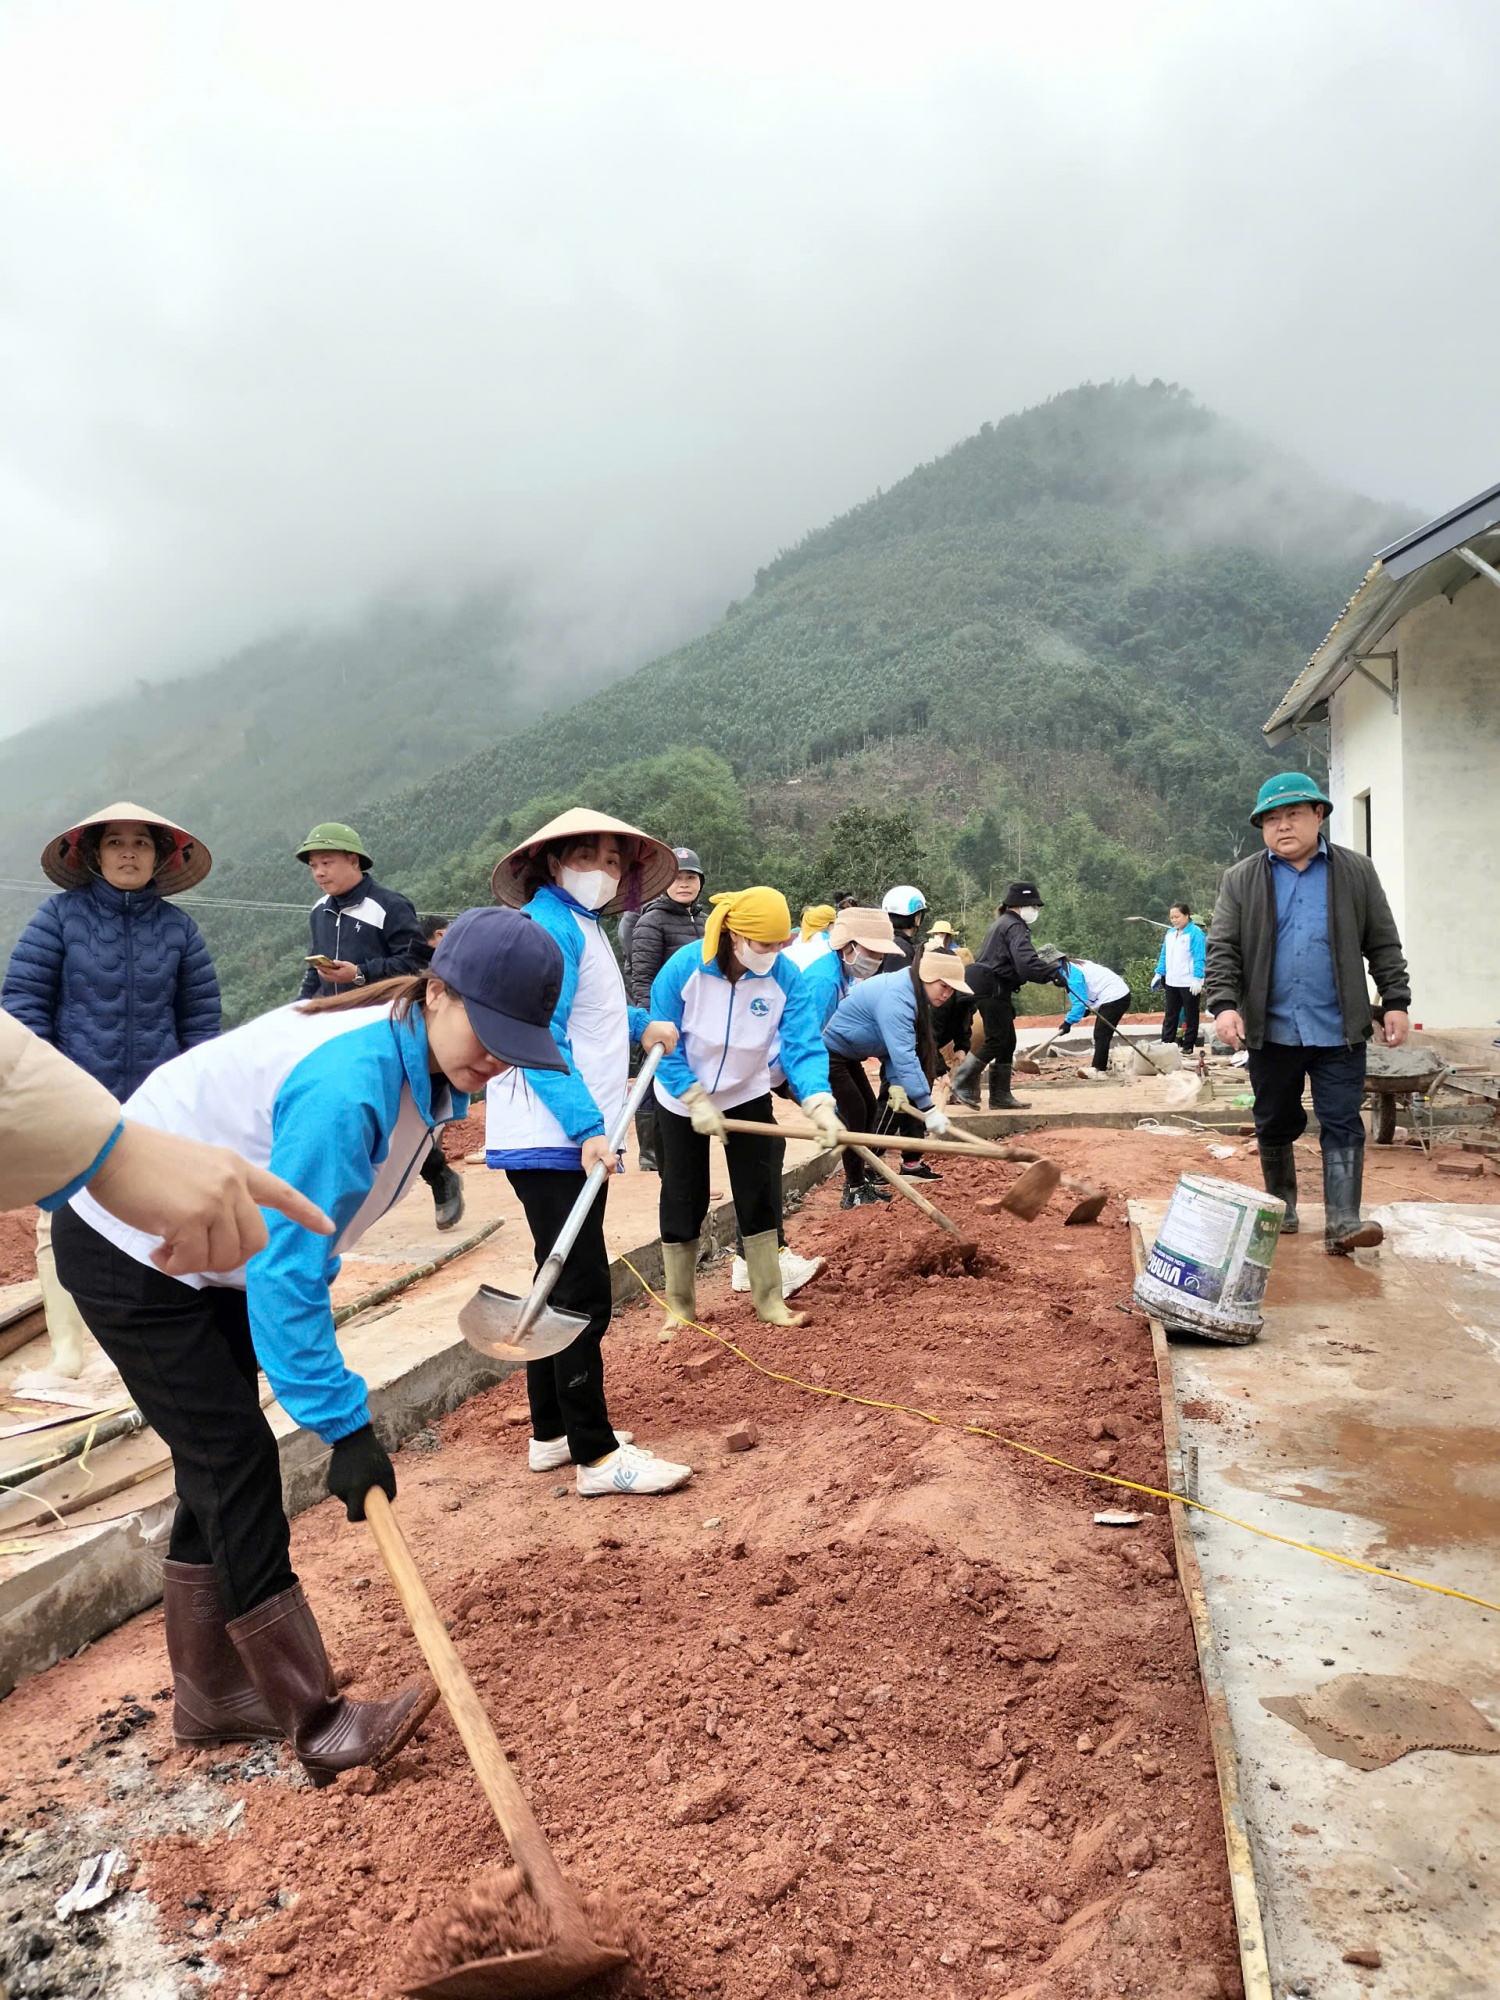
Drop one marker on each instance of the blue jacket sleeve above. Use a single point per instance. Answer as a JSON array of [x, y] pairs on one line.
[[804, 1056], [198, 1007], [674, 1075], [33, 979], [567, 1097], [897, 1011], [637, 1017], [328, 1137], [1200, 950], [1078, 988]]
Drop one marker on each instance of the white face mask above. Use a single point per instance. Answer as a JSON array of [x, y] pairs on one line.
[[754, 958], [592, 887], [1030, 914], [862, 964]]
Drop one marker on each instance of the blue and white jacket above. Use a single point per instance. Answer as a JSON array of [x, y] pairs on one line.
[[878, 1017], [540, 1118], [732, 1032], [1090, 985], [827, 982], [1183, 956], [343, 1106]]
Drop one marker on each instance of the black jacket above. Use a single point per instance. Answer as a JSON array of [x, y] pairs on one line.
[[371, 927], [1242, 944], [1010, 959], [903, 951], [663, 926]]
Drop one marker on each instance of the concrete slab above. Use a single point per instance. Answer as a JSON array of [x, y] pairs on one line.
[[65, 1581], [1366, 1420]]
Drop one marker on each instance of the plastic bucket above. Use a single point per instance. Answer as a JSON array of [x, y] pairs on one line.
[[1207, 1270]]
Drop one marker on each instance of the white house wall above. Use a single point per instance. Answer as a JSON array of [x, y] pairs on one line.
[[1365, 755], [1450, 738]]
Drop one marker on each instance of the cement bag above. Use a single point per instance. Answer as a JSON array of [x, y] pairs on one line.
[[1206, 1272]]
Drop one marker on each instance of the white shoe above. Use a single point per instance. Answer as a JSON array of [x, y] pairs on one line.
[[631, 1470], [797, 1271], [551, 1455], [1096, 1076], [739, 1276]]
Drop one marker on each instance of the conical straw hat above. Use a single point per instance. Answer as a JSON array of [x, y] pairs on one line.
[[654, 866], [186, 868]]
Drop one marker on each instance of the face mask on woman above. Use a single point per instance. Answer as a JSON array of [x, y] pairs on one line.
[[1029, 913], [755, 958], [862, 964], [592, 887]]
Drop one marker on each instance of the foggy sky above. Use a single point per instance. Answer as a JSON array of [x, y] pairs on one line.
[[304, 303]]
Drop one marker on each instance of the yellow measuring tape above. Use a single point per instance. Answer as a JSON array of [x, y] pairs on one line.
[[1047, 1458]]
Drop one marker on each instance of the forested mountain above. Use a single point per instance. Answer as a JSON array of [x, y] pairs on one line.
[[1049, 650]]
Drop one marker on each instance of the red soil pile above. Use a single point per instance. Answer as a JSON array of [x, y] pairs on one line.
[[873, 1705], [17, 1246]]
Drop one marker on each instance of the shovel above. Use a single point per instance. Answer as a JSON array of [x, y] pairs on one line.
[[1149, 1052], [1088, 1208], [507, 1328], [1030, 1062], [571, 1955], [1026, 1197]]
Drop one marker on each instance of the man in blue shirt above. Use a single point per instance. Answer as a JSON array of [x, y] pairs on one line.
[[1292, 933]]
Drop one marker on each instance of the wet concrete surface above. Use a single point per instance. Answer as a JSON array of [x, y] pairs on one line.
[[1366, 1420]]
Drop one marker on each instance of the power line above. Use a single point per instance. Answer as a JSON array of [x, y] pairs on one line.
[[203, 902]]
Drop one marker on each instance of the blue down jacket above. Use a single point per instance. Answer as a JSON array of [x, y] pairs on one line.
[[118, 979]]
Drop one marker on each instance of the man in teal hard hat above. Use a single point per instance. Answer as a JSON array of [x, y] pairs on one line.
[[1293, 930], [361, 933]]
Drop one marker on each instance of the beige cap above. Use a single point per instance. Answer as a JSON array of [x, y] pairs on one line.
[[189, 863], [655, 864], [947, 966], [870, 928]]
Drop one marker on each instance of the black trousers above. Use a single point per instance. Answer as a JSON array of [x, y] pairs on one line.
[[187, 1358], [1181, 1005], [566, 1391], [754, 1173], [855, 1098], [435, 1166], [1278, 1071], [997, 1009], [1106, 1019]]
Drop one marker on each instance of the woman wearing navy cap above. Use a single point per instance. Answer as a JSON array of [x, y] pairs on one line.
[[339, 1096]]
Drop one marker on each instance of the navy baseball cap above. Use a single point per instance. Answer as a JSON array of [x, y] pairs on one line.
[[508, 973]]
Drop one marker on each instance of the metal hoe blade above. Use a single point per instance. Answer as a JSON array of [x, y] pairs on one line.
[[491, 1322], [522, 1975]]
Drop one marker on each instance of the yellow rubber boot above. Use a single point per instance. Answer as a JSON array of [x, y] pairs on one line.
[[763, 1262], [680, 1264]]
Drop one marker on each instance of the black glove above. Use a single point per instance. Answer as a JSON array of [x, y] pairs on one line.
[[359, 1462]]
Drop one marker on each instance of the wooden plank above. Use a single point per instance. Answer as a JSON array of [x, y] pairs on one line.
[[1249, 1923]]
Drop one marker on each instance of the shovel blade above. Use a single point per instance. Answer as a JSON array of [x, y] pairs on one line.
[[491, 1323], [1029, 1195], [521, 1975], [1089, 1209]]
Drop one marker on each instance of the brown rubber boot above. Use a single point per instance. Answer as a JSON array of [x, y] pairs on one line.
[[282, 1649], [215, 1699]]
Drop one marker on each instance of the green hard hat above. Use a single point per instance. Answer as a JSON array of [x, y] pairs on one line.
[[333, 837], [1288, 788]]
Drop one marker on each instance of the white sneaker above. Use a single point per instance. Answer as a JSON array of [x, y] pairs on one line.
[[631, 1470], [550, 1455], [797, 1271], [1096, 1076], [739, 1276]]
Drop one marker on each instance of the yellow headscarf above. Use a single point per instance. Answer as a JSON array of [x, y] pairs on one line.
[[761, 914], [817, 917]]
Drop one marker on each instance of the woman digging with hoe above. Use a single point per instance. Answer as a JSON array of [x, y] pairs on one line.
[[548, 1130], [740, 1006], [339, 1096]]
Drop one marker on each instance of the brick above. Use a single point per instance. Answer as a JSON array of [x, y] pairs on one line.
[[743, 1437], [1466, 1170], [699, 1365]]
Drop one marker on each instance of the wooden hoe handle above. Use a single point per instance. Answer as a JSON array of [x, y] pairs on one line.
[[528, 1843], [920, 1200]]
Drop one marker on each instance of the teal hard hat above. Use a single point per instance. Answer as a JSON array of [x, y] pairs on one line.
[[1288, 788], [333, 837]]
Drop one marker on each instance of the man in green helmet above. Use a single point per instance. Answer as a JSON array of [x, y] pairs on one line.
[[361, 933], [1293, 930]]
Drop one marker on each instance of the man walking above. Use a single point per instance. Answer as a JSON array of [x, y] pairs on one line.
[[1292, 933]]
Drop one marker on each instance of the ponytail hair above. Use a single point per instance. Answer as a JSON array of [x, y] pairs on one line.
[[401, 993], [927, 1052]]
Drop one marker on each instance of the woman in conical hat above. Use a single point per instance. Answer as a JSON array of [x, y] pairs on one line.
[[115, 976], [547, 1131]]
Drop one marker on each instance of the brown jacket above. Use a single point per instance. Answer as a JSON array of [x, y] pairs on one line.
[[54, 1120]]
